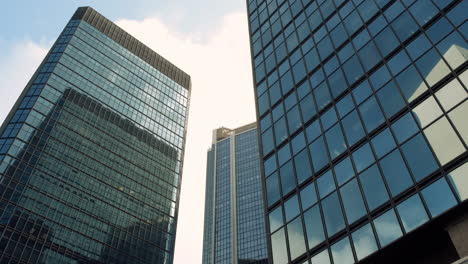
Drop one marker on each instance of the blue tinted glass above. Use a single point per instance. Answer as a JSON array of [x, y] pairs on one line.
[[364, 241], [281, 132], [308, 196], [341, 252], [410, 82], [329, 118], [337, 83], [380, 77], [278, 112], [457, 15], [352, 201], [291, 208], [362, 92], [395, 172], [267, 141], [419, 157], [353, 69], [332, 214], [298, 143], [314, 226], [353, 128], [369, 55], [344, 171], [404, 128], [294, 120], [322, 95], [386, 41], [272, 186], [423, 11], [278, 244], [371, 114], [284, 154], [265, 122], [335, 140], [307, 108], [398, 62], [390, 99], [288, 181], [439, 30], [412, 213], [296, 238], [345, 105], [387, 227], [404, 26], [363, 157], [313, 131], [276, 219], [418, 46], [303, 168], [326, 184], [290, 101], [263, 104], [438, 197], [373, 187], [383, 143], [319, 154]]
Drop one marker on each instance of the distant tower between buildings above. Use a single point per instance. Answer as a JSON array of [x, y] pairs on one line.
[[91, 154], [234, 229], [363, 127]]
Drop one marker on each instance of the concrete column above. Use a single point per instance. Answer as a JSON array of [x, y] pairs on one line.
[[458, 232]]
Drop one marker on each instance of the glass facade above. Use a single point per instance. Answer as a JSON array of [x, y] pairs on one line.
[[234, 230], [360, 106], [91, 155]]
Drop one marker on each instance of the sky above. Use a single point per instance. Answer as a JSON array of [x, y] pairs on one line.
[[208, 39]]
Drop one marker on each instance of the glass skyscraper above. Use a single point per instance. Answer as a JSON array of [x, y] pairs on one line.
[[362, 111], [234, 231], [91, 154]]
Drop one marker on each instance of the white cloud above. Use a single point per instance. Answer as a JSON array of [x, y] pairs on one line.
[[222, 95], [16, 69]]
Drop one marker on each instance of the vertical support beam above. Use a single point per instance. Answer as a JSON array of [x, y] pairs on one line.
[[233, 199], [213, 225]]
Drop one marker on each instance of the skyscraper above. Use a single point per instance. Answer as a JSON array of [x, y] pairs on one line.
[[362, 111], [91, 154], [234, 230]]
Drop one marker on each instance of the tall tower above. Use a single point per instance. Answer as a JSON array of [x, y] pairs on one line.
[[91, 154], [234, 229], [362, 111]]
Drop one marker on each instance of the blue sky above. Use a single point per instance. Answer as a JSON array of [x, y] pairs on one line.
[[208, 39]]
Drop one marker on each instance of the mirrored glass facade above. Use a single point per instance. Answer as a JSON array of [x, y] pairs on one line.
[[360, 106], [91, 153], [234, 230]]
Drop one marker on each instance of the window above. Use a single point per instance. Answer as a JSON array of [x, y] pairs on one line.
[[404, 128], [459, 180], [427, 111], [438, 197], [319, 154], [308, 195], [395, 172], [341, 252], [303, 168], [335, 140], [371, 114], [387, 227], [419, 157], [363, 157], [326, 184], [296, 238], [288, 181], [412, 213], [432, 67], [344, 171], [272, 185], [276, 219], [278, 244], [458, 117], [383, 143], [353, 128], [322, 95], [451, 94], [314, 226], [332, 214], [444, 141], [352, 201], [364, 241], [373, 187]]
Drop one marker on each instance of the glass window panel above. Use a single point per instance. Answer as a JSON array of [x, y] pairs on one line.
[[371, 114], [335, 140], [281, 131], [314, 226], [390, 99], [423, 11], [308, 195], [404, 26], [332, 214], [267, 141], [383, 143], [337, 83], [291, 208], [393, 11], [418, 46], [380, 77], [321, 258], [438, 197], [353, 128], [395, 172], [363, 157], [319, 154], [284, 154], [326, 184], [290, 101], [457, 15], [288, 181], [344, 171], [294, 120], [272, 185], [404, 127], [444, 141], [369, 55], [345, 105], [364, 241], [303, 89], [419, 157], [387, 227], [296, 238], [432, 67], [427, 111], [439, 30], [329, 118], [353, 69], [352, 201], [362, 92], [263, 104], [386, 41], [451, 94], [411, 84], [278, 244], [265, 122], [276, 219], [458, 117], [412, 213], [373, 187], [298, 143], [307, 107], [398, 62], [313, 131], [341, 252], [459, 180], [303, 167], [275, 93], [322, 95]]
